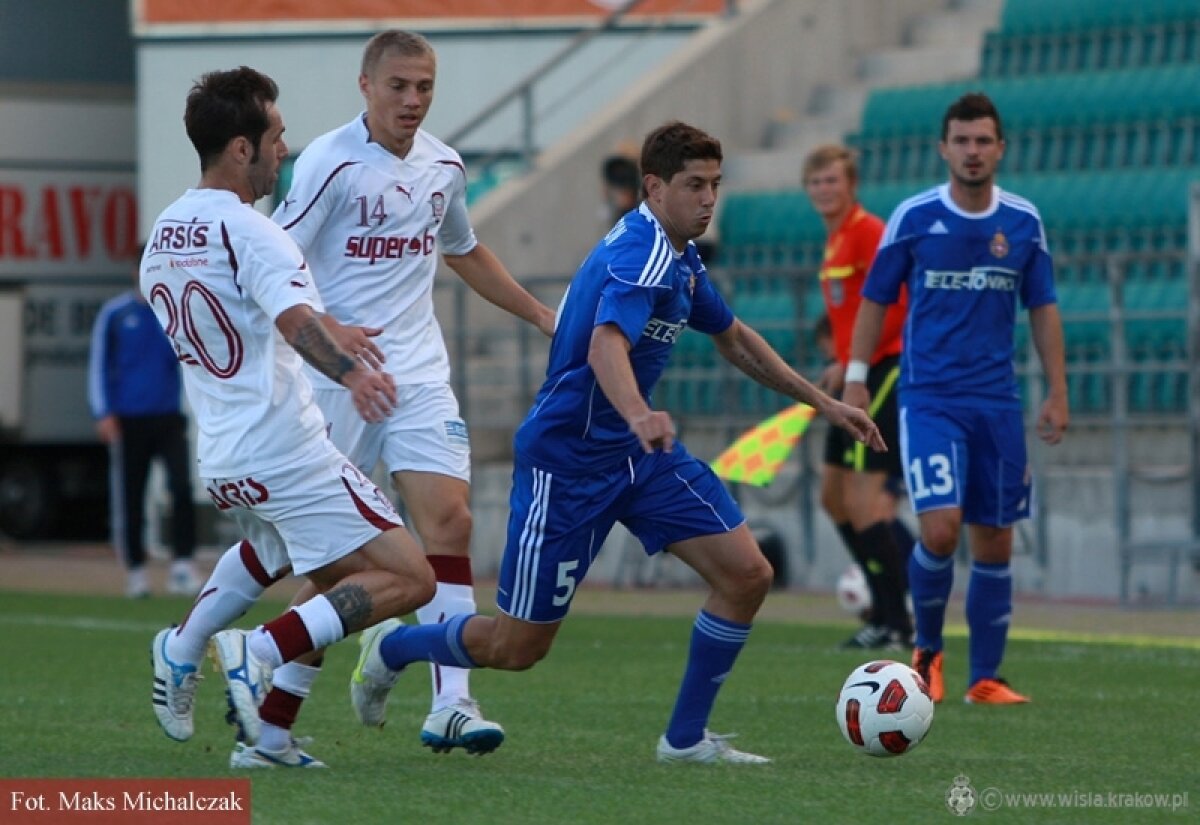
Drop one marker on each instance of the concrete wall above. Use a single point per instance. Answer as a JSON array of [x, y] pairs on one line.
[[729, 79], [318, 80]]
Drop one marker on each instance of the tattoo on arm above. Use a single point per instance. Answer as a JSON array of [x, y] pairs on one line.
[[754, 367], [320, 351], [353, 605]]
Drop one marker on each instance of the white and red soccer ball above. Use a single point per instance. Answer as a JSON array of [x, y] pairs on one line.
[[884, 708]]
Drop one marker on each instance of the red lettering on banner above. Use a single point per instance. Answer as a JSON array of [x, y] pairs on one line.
[[12, 237], [120, 223], [82, 201], [66, 223], [49, 238]]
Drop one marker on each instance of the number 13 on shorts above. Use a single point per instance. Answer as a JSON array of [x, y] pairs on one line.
[[934, 459], [973, 458], [931, 477]]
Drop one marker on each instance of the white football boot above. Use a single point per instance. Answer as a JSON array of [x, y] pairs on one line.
[[461, 725], [247, 678], [372, 680], [174, 690], [713, 748], [246, 757]]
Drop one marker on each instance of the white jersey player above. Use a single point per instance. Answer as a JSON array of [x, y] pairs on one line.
[[236, 299], [371, 225], [372, 204], [218, 274]]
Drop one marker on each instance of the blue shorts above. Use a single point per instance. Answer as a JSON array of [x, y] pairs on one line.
[[558, 523], [968, 457]]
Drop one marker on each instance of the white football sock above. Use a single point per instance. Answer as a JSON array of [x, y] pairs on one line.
[[228, 593], [322, 621], [449, 683], [293, 678]]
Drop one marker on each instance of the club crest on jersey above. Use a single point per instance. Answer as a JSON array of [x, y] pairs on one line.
[[692, 284], [837, 293], [437, 202], [999, 245]]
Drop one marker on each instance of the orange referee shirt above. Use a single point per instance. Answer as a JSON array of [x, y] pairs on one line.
[[849, 252]]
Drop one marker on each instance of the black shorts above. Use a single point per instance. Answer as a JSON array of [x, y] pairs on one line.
[[841, 450]]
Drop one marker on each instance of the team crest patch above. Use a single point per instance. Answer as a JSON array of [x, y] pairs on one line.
[[692, 284], [999, 245], [437, 202], [456, 432], [837, 293]]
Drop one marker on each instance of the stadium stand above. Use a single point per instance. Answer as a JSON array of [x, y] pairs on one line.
[[1122, 119], [1101, 111], [1037, 37]]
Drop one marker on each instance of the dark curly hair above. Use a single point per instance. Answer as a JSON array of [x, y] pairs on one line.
[[225, 105]]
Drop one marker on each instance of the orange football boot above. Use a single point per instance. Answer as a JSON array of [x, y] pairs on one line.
[[993, 692], [928, 666]]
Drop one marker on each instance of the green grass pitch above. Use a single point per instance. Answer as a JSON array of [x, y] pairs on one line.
[[1108, 717]]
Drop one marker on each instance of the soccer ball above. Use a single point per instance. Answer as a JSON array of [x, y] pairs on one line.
[[853, 596], [884, 708]]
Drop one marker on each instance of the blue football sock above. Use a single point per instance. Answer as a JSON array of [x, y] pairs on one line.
[[930, 578], [989, 609], [716, 643], [441, 643]]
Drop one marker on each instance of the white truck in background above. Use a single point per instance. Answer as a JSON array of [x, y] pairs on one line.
[[68, 235]]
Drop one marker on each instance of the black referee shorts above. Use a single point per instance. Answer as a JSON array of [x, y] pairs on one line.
[[841, 450]]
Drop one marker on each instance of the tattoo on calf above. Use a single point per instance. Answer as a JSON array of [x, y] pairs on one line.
[[353, 605]]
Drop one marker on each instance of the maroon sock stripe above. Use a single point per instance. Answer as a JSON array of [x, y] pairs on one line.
[[188, 615], [452, 569], [280, 708], [290, 635]]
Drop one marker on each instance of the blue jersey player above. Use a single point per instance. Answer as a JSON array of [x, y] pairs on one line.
[[968, 252], [593, 451]]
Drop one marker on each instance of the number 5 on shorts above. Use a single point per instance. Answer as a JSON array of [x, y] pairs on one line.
[[565, 580]]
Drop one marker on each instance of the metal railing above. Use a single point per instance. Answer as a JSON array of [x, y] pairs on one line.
[[518, 359], [523, 92]]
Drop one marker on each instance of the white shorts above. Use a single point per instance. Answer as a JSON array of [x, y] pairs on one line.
[[307, 514], [424, 432]]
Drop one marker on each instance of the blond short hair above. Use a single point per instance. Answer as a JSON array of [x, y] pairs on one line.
[[826, 155], [407, 44]]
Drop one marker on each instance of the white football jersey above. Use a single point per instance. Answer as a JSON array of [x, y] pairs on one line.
[[371, 225], [218, 274]]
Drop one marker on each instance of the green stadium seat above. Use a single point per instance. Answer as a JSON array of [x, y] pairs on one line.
[[1085, 121], [1007, 54], [1042, 17]]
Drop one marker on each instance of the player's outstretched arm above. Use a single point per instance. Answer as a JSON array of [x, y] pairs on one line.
[[1045, 325], [484, 273], [374, 393], [608, 356], [745, 349]]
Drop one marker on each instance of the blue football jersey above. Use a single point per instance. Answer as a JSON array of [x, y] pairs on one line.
[[964, 273], [635, 280]]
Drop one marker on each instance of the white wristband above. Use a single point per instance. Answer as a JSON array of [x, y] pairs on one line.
[[856, 372]]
